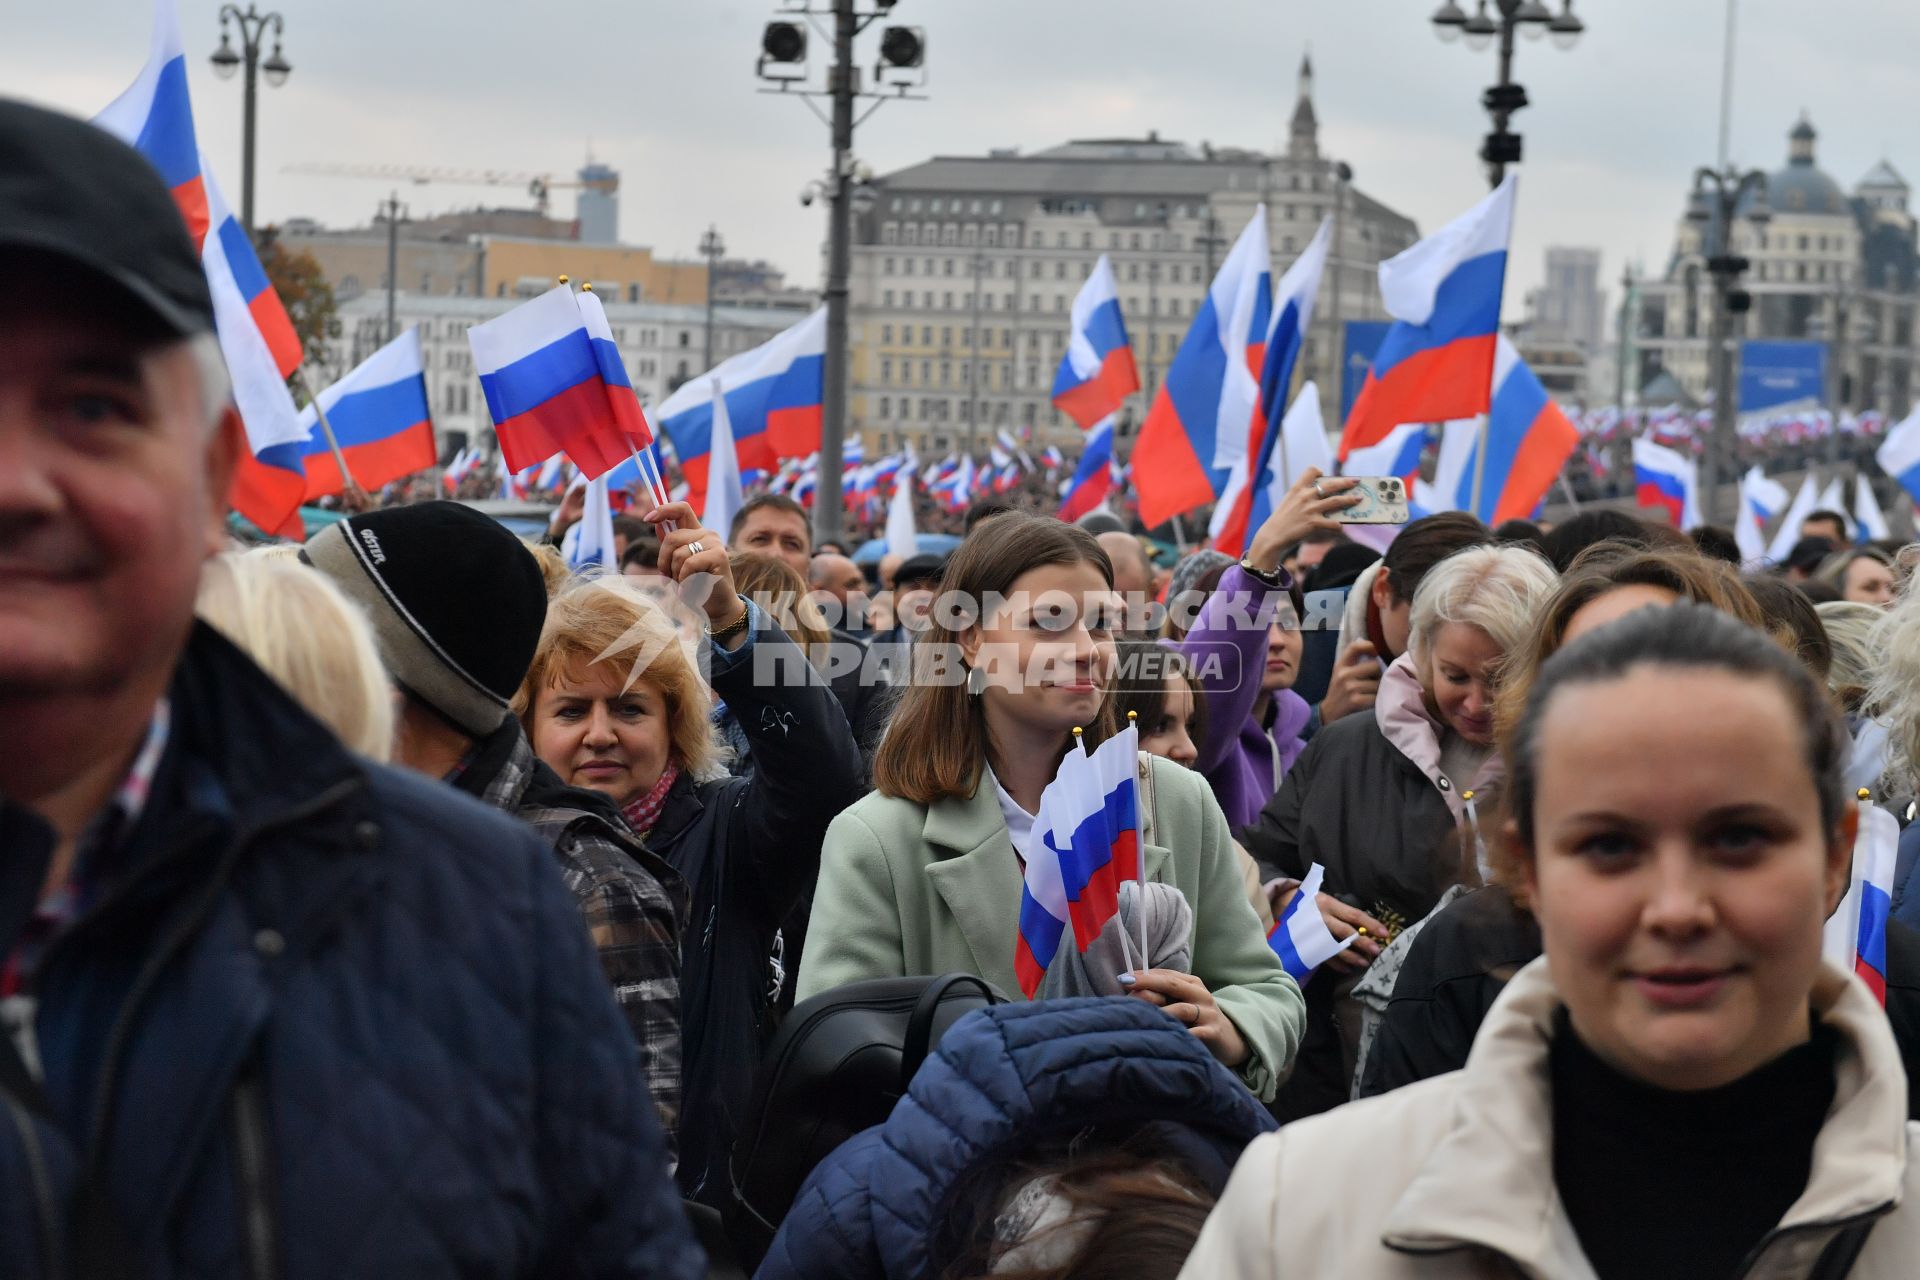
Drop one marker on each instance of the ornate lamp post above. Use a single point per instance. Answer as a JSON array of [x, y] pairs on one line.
[[226, 60]]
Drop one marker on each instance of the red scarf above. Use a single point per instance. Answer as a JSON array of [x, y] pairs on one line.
[[641, 813]]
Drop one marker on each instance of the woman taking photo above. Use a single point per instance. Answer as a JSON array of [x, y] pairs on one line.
[[923, 876], [1680, 1087], [614, 702]]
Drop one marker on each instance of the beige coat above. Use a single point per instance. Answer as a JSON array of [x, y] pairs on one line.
[[1453, 1177], [924, 889]]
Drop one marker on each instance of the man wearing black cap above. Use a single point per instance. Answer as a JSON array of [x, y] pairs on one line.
[[269, 1008], [457, 604]]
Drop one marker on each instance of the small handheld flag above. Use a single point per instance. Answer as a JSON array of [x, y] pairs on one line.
[[1084, 844], [1855, 937], [1300, 936]]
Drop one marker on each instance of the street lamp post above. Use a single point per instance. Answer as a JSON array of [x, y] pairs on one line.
[[1530, 18], [711, 247], [902, 67], [1717, 197], [253, 27], [392, 209]]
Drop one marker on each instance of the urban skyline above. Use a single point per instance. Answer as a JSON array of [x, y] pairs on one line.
[[1607, 159]]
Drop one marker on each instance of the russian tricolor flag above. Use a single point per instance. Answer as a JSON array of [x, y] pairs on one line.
[[1297, 434], [1855, 936], [1436, 362], [380, 419], [1667, 481], [1761, 499], [155, 115], [1300, 937], [1206, 410], [1085, 843], [1097, 373], [1093, 479], [775, 401], [543, 375], [1899, 454], [1528, 440]]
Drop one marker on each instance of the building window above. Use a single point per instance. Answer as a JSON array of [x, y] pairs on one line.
[[1060, 240], [934, 207], [969, 234], [452, 398], [994, 207], [927, 264], [906, 267], [1286, 244], [886, 333], [887, 266], [946, 373], [926, 373], [926, 335], [1059, 302], [926, 299], [1113, 239], [907, 233], [886, 407], [895, 206], [886, 299], [990, 237], [465, 400], [947, 266], [1173, 241], [950, 234], [1133, 271], [946, 335], [686, 339], [1060, 269], [946, 301], [1011, 303], [974, 207]]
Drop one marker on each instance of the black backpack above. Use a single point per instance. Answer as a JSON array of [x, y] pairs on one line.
[[837, 1065]]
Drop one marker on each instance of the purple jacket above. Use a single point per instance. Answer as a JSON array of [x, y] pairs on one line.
[[1238, 756]]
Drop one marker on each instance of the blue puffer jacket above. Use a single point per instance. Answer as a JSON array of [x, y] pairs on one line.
[[331, 1020], [1002, 1080]]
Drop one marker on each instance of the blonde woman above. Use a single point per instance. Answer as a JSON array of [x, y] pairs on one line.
[[615, 702], [1895, 695], [1380, 799], [305, 633]]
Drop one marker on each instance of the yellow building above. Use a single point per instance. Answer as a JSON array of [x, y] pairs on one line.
[[522, 266]]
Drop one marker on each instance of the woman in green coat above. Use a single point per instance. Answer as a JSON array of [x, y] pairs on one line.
[[922, 877]]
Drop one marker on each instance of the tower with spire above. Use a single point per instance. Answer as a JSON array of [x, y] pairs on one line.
[[1303, 136]]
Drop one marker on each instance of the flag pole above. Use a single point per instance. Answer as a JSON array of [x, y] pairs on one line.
[[320, 412], [1480, 463], [1140, 864], [1568, 490]]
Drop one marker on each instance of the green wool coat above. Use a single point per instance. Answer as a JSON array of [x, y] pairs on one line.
[[916, 889]]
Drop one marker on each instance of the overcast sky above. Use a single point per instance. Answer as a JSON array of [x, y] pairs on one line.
[[664, 91]]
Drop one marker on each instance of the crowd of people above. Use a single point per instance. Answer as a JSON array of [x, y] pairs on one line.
[[404, 903]]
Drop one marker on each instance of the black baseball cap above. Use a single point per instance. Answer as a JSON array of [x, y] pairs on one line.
[[73, 191]]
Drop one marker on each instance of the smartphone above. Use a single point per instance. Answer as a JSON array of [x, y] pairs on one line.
[[1384, 501]]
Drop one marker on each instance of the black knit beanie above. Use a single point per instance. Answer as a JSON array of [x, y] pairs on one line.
[[455, 599]]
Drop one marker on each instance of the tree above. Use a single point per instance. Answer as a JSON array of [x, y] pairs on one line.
[[305, 293]]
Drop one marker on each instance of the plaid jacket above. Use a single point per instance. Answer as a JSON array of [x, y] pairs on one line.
[[633, 902]]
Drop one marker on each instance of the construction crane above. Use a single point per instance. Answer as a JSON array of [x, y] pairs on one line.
[[538, 186]]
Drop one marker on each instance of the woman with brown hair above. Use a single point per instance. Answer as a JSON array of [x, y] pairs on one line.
[[1680, 1086], [924, 875]]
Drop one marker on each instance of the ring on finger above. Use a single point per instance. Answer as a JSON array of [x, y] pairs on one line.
[[1318, 492], [695, 547]]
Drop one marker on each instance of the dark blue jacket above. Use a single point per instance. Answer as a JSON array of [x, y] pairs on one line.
[[1906, 893], [332, 1020], [1003, 1080]]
